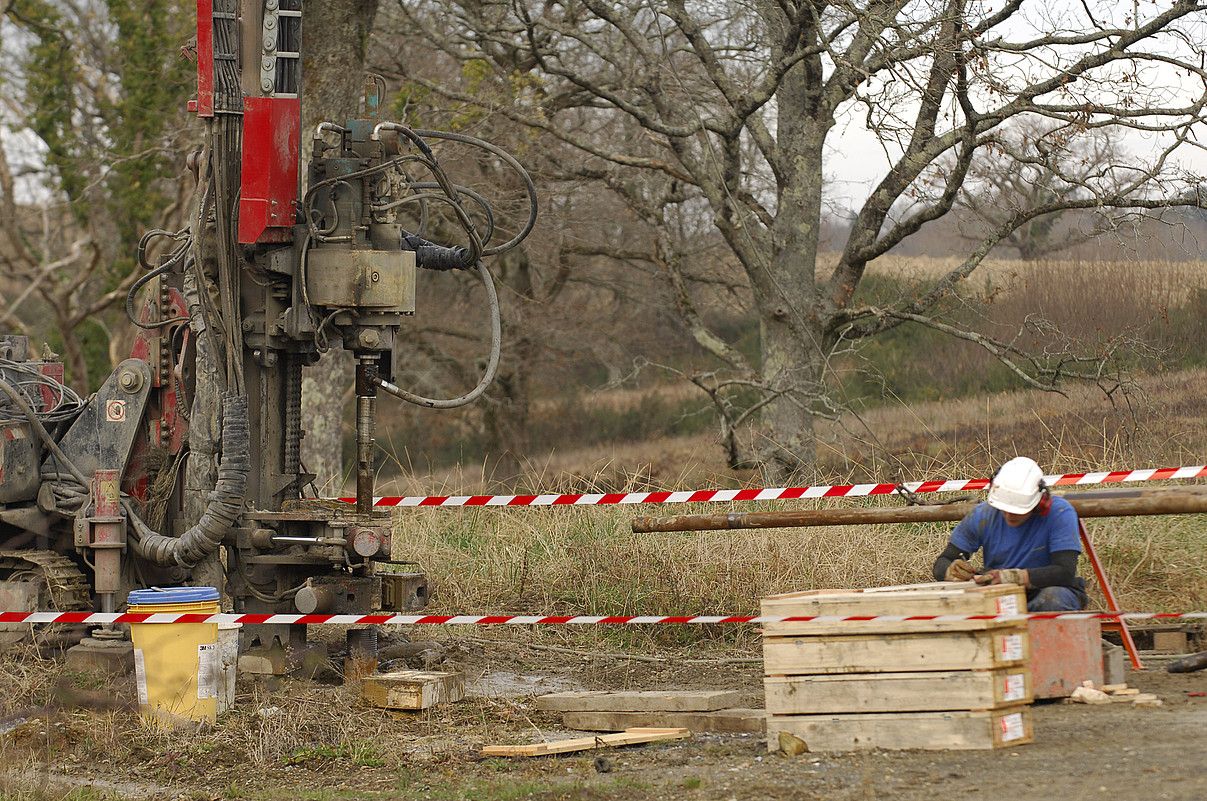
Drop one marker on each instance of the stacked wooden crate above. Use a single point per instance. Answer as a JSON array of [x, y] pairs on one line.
[[897, 684]]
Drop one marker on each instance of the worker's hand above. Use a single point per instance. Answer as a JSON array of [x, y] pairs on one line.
[[959, 570], [1008, 575]]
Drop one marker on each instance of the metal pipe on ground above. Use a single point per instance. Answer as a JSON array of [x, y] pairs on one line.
[[1109, 503]]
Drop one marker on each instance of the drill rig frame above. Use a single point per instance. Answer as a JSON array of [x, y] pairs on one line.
[[260, 285]]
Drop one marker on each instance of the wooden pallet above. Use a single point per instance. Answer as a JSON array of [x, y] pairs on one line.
[[931, 731], [929, 684], [936, 598], [896, 653], [897, 692]]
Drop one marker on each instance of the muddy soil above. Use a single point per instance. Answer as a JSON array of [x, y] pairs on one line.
[[306, 740]]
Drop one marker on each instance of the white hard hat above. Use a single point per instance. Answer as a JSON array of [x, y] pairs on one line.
[[1017, 486]]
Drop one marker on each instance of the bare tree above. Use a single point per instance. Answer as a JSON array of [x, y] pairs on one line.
[[739, 102], [93, 106], [1037, 163], [333, 72]]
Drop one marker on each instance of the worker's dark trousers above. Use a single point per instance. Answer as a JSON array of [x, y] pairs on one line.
[[1055, 599]]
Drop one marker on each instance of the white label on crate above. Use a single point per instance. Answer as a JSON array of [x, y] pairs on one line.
[[1016, 687], [1007, 605], [140, 677], [1012, 647], [1012, 726], [208, 670]]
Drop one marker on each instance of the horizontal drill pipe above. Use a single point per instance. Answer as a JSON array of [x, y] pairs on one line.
[[1112, 503]]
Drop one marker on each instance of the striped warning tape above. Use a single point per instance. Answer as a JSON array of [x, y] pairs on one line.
[[774, 493], [572, 620]]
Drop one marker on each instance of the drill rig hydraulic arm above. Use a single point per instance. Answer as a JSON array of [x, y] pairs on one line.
[[264, 281]]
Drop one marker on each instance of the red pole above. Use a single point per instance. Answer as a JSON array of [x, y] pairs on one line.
[[1111, 604]]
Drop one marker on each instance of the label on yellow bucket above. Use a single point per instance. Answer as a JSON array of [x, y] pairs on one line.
[[140, 676], [208, 670]]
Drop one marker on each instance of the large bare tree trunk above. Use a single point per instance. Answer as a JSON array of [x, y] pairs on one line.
[[790, 325], [334, 38]]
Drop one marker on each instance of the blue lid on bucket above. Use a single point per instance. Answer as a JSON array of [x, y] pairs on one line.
[[172, 595]]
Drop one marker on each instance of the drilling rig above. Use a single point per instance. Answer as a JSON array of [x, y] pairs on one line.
[[185, 467]]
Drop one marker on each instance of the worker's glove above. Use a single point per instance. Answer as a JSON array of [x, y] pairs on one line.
[[1010, 575], [959, 570]]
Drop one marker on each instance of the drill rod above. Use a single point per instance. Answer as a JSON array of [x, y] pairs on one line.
[[366, 410], [1111, 503]]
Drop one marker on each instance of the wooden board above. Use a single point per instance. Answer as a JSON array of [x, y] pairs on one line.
[[897, 692], [731, 721], [639, 701], [896, 653], [936, 598], [630, 737], [931, 731], [413, 689]]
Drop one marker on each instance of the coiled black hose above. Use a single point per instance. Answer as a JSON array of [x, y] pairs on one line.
[[225, 501]]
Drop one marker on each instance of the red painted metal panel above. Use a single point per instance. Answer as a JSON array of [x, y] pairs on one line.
[[1064, 653], [270, 167], [205, 58]]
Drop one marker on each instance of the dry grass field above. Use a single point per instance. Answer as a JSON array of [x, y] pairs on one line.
[[586, 559]]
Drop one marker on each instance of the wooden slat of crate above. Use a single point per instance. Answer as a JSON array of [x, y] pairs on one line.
[[897, 692], [963, 598], [932, 731], [895, 653]]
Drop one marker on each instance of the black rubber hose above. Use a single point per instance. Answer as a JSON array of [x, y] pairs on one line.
[[225, 502], [430, 256]]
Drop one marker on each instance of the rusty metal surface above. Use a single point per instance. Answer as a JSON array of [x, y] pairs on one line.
[[371, 279], [1064, 653], [403, 592]]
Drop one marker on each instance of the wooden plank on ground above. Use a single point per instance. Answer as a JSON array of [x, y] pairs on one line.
[[936, 598], [639, 701], [729, 721], [629, 737], [932, 731], [895, 653], [413, 689], [897, 692]]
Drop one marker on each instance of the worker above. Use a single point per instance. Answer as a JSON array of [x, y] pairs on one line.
[[1029, 538]]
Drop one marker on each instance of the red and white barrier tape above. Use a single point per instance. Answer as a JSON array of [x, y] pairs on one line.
[[523, 620], [774, 493]]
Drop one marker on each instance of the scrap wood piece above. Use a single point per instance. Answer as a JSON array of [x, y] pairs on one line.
[[629, 737], [1088, 695], [413, 689], [725, 721], [639, 701]]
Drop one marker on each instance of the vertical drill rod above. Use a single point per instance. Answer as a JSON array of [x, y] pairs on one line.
[[366, 408]]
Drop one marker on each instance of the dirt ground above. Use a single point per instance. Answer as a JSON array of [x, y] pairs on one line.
[[309, 740]]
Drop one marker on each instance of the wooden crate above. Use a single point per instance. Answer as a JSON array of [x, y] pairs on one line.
[[929, 684], [932, 731], [963, 598], [897, 692], [896, 653], [413, 689]]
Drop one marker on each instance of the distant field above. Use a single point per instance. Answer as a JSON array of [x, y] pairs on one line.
[[1160, 424], [1151, 316]]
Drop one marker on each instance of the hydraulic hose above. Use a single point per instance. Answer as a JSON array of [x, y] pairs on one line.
[[492, 366], [225, 501]]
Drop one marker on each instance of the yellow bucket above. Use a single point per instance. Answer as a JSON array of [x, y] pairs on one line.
[[177, 665]]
